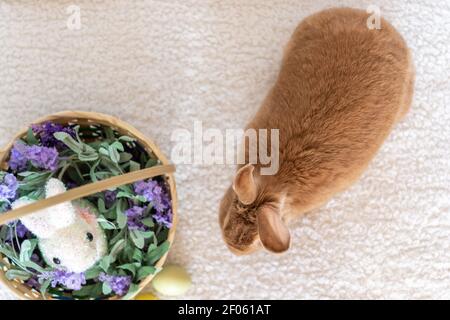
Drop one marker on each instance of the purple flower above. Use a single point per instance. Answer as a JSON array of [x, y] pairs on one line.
[[45, 132], [134, 217], [71, 185], [70, 280], [8, 188], [110, 198], [33, 283], [164, 219], [21, 230], [37, 259], [43, 157], [145, 189], [119, 284], [18, 159], [40, 157], [158, 196]]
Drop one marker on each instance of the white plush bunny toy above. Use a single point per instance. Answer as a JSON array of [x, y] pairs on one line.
[[69, 235]]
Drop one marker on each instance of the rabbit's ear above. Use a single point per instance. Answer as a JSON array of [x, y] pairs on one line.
[[46, 222], [244, 185], [36, 222], [61, 215], [273, 233]]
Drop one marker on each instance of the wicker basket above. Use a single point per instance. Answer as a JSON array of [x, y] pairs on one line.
[[21, 290]]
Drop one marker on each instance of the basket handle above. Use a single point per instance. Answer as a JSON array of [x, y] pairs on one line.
[[86, 190]]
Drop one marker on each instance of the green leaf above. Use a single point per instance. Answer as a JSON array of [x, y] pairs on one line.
[[156, 254], [106, 289], [92, 171], [8, 252], [125, 156], [35, 176], [88, 156], [32, 265], [101, 205], [105, 263], [114, 154], [96, 291], [151, 247], [127, 254], [12, 274], [122, 194], [117, 237], [137, 255], [75, 174], [101, 175], [162, 234], [103, 151], [25, 251], [109, 132], [151, 162], [92, 273], [84, 292], [147, 234], [31, 139], [126, 188], [130, 267], [77, 132], [116, 249], [34, 181], [118, 146], [121, 218], [137, 238], [144, 272], [148, 222], [68, 141], [111, 166], [134, 166], [108, 226], [92, 291], [25, 173], [4, 232], [111, 213], [44, 287]]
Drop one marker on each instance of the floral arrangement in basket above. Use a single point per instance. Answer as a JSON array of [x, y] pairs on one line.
[[100, 246]]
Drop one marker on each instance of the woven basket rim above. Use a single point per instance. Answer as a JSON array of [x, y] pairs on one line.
[[17, 287]]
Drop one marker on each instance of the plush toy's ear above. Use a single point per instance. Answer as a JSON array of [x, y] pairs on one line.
[[61, 215], [46, 222], [244, 185], [273, 233], [36, 222]]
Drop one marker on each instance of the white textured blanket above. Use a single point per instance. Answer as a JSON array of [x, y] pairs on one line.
[[161, 65]]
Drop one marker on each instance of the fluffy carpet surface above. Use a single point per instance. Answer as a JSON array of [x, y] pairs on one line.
[[161, 65]]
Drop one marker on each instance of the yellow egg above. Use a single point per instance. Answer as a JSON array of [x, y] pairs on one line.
[[172, 281], [146, 296]]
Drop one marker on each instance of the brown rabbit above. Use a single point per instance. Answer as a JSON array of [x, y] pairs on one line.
[[341, 89]]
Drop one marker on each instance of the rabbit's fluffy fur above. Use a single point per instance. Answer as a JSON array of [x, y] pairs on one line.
[[341, 89]]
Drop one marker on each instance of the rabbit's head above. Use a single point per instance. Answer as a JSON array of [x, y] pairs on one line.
[[78, 246], [250, 216], [69, 235]]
